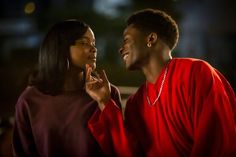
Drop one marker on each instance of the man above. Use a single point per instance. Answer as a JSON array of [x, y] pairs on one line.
[[185, 107]]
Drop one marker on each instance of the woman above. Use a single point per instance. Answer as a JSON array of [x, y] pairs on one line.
[[53, 111]]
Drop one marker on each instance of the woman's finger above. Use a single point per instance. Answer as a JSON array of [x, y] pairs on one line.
[[88, 73]]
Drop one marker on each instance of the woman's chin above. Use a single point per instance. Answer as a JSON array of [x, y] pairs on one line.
[[93, 66]]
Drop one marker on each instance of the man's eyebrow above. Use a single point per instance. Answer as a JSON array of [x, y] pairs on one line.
[[126, 36]]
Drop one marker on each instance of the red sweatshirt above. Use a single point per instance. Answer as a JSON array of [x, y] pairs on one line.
[[195, 116]]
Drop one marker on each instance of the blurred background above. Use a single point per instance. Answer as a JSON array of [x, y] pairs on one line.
[[207, 31]]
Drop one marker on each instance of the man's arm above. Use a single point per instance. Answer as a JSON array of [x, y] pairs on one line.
[[107, 125], [108, 128], [213, 113]]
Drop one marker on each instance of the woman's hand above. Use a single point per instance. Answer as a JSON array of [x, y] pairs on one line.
[[98, 87]]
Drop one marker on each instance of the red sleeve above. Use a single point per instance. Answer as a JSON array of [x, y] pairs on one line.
[[108, 129], [213, 113]]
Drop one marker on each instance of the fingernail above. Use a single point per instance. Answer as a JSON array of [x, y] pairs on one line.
[[87, 66]]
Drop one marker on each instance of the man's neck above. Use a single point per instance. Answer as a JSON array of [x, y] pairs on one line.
[[154, 67]]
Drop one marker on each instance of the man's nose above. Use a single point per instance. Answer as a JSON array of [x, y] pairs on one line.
[[121, 50]]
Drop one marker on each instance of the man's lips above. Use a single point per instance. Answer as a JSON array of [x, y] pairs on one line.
[[125, 55]]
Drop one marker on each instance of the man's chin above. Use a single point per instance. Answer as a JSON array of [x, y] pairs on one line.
[[131, 67]]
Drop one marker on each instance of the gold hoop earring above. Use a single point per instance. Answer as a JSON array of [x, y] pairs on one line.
[[149, 45], [68, 64]]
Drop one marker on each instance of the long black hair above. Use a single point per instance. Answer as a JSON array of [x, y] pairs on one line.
[[54, 55]]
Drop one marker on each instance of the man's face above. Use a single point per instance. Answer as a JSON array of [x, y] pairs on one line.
[[133, 50]]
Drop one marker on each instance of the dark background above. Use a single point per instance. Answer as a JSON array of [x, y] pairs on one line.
[[207, 31]]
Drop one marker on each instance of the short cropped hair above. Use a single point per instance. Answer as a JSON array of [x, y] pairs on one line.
[[151, 20]]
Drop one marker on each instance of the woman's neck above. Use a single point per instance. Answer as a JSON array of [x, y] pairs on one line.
[[74, 81]]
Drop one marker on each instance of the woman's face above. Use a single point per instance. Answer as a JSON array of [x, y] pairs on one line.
[[84, 50]]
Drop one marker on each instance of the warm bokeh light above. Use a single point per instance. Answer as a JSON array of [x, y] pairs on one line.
[[29, 8]]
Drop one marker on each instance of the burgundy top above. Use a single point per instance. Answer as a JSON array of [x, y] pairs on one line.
[[55, 126]]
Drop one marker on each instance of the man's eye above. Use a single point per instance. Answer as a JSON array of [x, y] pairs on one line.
[[125, 40]]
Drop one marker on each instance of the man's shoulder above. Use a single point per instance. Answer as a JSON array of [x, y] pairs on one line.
[[138, 95], [191, 61], [193, 64], [114, 89]]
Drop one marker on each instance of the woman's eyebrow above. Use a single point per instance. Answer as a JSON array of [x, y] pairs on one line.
[[86, 38]]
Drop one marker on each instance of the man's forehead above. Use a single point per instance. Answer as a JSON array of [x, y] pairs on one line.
[[130, 31], [127, 30]]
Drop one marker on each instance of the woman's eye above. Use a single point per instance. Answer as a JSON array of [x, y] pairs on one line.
[[84, 43]]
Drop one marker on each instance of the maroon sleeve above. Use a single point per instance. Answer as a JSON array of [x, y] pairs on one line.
[[23, 141], [213, 113]]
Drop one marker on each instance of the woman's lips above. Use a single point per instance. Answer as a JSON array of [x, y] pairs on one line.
[[92, 57]]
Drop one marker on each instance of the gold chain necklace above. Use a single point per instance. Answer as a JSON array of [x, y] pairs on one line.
[[159, 94]]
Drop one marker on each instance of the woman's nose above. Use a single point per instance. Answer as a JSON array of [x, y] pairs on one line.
[[94, 49]]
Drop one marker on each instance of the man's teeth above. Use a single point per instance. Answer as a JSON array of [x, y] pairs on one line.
[[125, 56]]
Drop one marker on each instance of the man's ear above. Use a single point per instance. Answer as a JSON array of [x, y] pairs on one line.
[[152, 38]]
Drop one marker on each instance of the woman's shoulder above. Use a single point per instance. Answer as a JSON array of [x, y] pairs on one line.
[[25, 97], [28, 93]]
